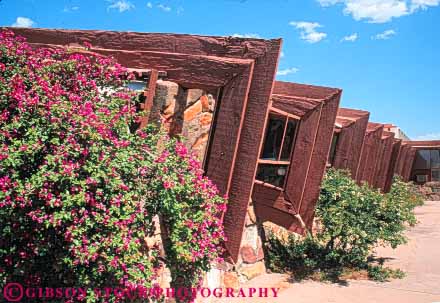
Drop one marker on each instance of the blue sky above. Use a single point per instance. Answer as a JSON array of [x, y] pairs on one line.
[[384, 54]]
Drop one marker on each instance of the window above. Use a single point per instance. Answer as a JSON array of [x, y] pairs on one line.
[[332, 155], [435, 158], [428, 160], [435, 175], [277, 149], [136, 85], [423, 159], [421, 178]]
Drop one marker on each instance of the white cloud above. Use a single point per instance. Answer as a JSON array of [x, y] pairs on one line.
[[350, 38], [423, 4], [282, 54], [23, 22], [431, 136], [254, 36], [287, 71], [380, 11], [384, 35], [149, 5], [70, 9], [326, 3], [376, 11], [308, 31], [164, 7], [121, 5]]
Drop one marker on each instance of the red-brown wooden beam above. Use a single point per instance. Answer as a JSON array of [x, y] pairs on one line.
[[149, 93], [401, 159], [392, 164], [319, 158], [383, 161], [316, 107], [250, 144], [190, 71], [370, 153], [351, 139]]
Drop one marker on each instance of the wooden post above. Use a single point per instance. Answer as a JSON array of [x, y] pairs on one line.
[[149, 92]]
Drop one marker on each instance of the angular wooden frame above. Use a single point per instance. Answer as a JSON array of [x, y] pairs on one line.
[[397, 143], [244, 71], [316, 107], [383, 161], [370, 153], [353, 125]]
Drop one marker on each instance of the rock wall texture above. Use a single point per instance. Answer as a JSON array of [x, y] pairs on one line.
[[185, 112], [190, 114], [431, 191]]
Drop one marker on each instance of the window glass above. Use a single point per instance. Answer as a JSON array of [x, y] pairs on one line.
[[289, 140], [272, 174], [435, 158], [136, 85], [274, 137], [436, 175], [423, 159]]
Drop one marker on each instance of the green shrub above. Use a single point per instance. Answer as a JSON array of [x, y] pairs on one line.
[[352, 220]]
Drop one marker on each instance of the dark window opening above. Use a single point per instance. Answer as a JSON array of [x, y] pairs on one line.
[[435, 158], [274, 137], [423, 159], [272, 174], [436, 175], [277, 149], [332, 155], [427, 165], [288, 140]]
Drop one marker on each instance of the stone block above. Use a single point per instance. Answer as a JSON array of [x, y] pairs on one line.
[[248, 254], [166, 93], [251, 271], [193, 95], [192, 111], [225, 266], [205, 103], [230, 280], [211, 101], [251, 214], [251, 237], [200, 141], [205, 119]]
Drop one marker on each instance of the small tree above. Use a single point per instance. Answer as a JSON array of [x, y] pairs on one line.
[[79, 186], [352, 220]]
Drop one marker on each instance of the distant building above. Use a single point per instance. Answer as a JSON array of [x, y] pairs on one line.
[[398, 132]]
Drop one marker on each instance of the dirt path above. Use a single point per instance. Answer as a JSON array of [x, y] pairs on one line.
[[420, 259]]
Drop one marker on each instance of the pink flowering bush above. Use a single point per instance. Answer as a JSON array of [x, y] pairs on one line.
[[80, 184]]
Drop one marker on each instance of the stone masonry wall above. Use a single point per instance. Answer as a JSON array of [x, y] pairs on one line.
[[189, 113], [186, 112], [431, 191]]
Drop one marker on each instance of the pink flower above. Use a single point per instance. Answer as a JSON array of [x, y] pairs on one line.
[[181, 150], [168, 185], [114, 263]]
